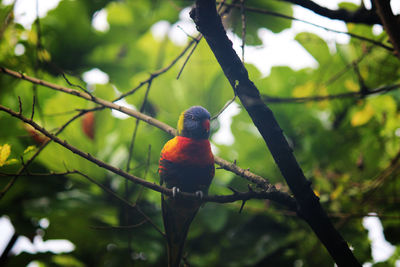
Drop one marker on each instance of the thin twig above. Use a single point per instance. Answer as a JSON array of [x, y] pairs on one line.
[[63, 113], [224, 107], [33, 107], [131, 147], [276, 14], [75, 85], [132, 144], [20, 105], [38, 50], [377, 182], [359, 94], [156, 73], [357, 61], [121, 227], [197, 41], [363, 87], [187, 34], [123, 200], [145, 173]]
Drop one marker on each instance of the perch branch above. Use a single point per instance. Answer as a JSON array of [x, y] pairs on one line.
[[148, 119], [273, 194]]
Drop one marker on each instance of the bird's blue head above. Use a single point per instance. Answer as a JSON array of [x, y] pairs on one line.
[[194, 123]]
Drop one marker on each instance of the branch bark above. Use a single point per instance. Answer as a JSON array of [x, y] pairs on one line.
[[260, 181], [390, 22], [209, 24], [361, 15], [272, 194]]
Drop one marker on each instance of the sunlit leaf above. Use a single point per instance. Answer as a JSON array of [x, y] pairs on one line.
[[65, 260], [5, 151], [362, 116], [304, 90], [29, 149], [351, 85]]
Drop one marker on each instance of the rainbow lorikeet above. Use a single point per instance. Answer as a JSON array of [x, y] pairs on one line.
[[186, 164]]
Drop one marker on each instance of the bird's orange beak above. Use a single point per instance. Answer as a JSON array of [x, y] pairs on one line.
[[206, 125]]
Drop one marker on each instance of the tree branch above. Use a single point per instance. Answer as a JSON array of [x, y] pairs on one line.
[[263, 182], [390, 22], [299, 100], [210, 25], [361, 15], [272, 193], [43, 146]]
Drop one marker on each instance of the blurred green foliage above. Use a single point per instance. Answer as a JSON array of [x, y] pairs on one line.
[[344, 146]]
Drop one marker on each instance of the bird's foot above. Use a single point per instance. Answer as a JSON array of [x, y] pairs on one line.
[[175, 191], [200, 194]]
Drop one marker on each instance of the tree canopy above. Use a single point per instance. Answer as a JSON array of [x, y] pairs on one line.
[[67, 155]]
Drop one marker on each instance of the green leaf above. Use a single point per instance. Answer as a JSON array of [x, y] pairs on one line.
[[314, 45], [119, 14]]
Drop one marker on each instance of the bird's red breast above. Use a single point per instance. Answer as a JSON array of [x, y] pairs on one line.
[[187, 163], [188, 151]]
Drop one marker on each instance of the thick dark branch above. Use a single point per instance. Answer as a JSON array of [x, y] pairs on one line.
[[361, 15], [273, 194], [210, 25], [391, 23]]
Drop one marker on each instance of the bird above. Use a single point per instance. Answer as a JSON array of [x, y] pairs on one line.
[[186, 165]]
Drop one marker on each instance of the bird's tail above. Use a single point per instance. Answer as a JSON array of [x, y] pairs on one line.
[[177, 215]]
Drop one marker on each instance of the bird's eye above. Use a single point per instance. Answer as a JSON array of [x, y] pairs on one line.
[[190, 117]]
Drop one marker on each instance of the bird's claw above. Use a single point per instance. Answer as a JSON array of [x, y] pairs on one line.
[[199, 194], [175, 191]]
